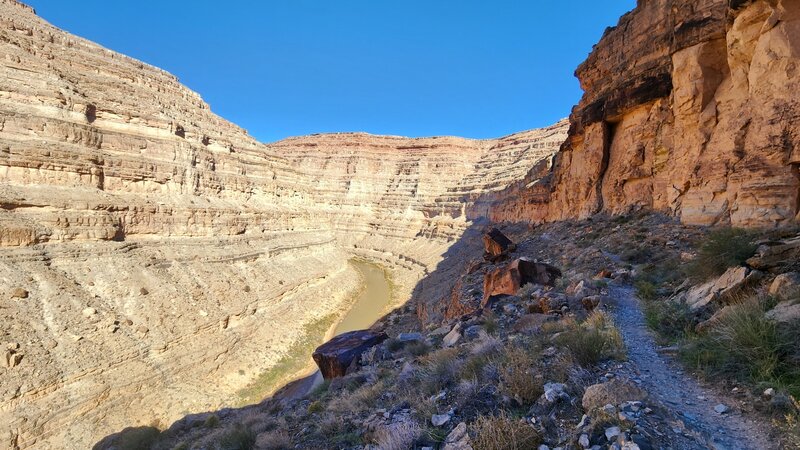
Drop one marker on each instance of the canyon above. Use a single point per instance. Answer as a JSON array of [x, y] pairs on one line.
[[156, 260], [168, 258]]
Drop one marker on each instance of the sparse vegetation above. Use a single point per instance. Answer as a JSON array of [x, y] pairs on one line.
[[502, 432], [141, 438], [721, 249], [671, 320], [745, 345], [398, 437], [518, 377], [237, 438], [593, 340]]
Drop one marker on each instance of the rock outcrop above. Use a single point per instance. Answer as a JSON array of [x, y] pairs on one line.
[[496, 245], [335, 356], [507, 280], [690, 108], [201, 254]]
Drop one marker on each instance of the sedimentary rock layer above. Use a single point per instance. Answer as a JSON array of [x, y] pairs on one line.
[[690, 108], [168, 257]]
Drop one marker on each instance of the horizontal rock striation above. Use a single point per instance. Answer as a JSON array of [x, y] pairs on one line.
[[690, 108], [169, 258]]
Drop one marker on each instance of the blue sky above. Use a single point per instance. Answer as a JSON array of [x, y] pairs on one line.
[[279, 68]]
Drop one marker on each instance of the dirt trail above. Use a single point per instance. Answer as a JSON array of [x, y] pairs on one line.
[[696, 424]]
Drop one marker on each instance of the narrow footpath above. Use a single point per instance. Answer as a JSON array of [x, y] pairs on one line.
[[696, 424]]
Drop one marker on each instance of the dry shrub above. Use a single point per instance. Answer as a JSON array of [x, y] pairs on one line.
[[594, 340], [438, 369], [518, 375], [273, 440], [502, 432]]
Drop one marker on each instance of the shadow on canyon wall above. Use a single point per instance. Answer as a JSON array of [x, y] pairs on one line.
[[432, 297]]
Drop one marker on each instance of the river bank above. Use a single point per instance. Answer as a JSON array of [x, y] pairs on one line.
[[297, 370]]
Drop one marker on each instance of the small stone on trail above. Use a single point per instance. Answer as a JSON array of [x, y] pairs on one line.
[[19, 293], [721, 409], [584, 441]]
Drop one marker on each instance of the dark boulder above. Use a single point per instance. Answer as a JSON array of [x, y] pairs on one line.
[[335, 356], [496, 245], [509, 279]]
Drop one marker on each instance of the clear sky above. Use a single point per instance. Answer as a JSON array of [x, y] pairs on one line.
[[279, 68]]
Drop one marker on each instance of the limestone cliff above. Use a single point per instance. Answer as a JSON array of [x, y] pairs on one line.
[[167, 258], [690, 108]]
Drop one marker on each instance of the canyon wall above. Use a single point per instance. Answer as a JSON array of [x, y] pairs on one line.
[[690, 108], [155, 259]]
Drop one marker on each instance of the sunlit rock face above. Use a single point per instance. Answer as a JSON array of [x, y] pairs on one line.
[[691, 108], [168, 257]]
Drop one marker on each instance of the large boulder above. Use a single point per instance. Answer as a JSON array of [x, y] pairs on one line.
[[723, 288], [614, 392], [496, 245], [786, 286], [335, 356], [507, 280]]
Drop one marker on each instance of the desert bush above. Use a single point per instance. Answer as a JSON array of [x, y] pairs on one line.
[[518, 377], [274, 440], [526, 291], [747, 346], [593, 340], [721, 249], [211, 421], [490, 323], [315, 407], [139, 438], [501, 432], [418, 348], [671, 320], [438, 369], [237, 438], [646, 290]]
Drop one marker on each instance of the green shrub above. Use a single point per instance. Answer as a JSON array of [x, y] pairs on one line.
[[646, 290], [594, 340], [746, 346], [315, 407], [721, 249], [671, 320], [211, 421], [490, 323], [501, 432], [418, 348], [237, 438]]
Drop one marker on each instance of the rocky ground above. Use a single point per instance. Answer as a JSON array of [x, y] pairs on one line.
[[569, 365]]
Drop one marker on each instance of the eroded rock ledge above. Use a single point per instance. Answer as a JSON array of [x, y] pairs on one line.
[[690, 108]]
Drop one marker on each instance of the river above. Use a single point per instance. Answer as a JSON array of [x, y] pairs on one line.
[[371, 304]]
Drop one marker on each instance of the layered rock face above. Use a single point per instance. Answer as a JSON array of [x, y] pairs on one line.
[[167, 257], [690, 108]]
